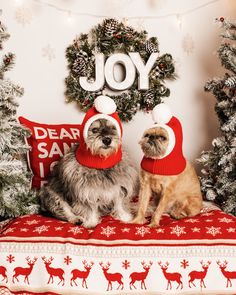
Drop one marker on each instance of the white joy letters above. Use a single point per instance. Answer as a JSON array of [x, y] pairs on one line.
[[105, 71]]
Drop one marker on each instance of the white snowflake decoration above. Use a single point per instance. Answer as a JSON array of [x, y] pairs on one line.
[[196, 229], [23, 15], [31, 222], [57, 228], [24, 229], [213, 231], [191, 220], [225, 219], [40, 229], [231, 230], [76, 230], [178, 230], [48, 52], [160, 230], [108, 231], [9, 230], [209, 220], [208, 214], [188, 44], [125, 230], [142, 231]]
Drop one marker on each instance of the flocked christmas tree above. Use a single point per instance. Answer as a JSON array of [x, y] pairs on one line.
[[219, 174], [16, 198]]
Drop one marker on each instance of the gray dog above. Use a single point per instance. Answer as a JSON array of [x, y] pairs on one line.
[[95, 178]]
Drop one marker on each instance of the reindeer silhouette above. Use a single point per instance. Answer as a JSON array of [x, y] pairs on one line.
[[3, 272], [171, 276], [81, 274], [24, 271], [199, 275], [53, 272], [140, 276], [112, 277], [229, 275]]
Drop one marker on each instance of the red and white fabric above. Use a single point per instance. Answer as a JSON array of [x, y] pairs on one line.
[[41, 255], [48, 142]]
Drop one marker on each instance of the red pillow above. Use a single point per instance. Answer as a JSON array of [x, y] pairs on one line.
[[48, 144]]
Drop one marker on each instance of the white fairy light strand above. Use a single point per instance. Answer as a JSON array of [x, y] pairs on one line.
[[179, 14]]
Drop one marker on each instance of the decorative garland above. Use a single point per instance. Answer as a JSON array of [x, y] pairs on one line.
[[111, 37]]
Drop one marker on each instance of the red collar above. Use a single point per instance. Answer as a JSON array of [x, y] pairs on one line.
[[170, 165], [85, 158]]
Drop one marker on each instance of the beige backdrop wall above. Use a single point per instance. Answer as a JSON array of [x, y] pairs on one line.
[[41, 31]]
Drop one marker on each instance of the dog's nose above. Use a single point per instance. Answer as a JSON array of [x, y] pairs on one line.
[[151, 137], [106, 141]]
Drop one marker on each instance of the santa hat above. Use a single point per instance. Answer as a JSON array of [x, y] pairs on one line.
[[173, 161], [104, 108]]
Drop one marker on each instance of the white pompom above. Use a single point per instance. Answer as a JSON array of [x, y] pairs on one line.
[[105, 105], [161, 114]]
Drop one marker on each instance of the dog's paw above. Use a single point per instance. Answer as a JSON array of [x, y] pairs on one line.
[[91, 223], [153, 224], [138, 220], [74, 220], [125, 217]]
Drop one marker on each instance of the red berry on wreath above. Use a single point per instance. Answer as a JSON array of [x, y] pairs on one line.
[[7, 60], [162, 65]]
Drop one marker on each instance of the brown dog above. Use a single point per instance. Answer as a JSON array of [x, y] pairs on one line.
[[167, 174]]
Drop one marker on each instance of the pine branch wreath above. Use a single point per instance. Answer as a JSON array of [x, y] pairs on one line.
[[111, 37]]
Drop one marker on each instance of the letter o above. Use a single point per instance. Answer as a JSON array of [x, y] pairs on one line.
[[120, 58]]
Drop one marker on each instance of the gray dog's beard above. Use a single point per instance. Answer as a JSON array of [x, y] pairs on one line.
[[99, 132]]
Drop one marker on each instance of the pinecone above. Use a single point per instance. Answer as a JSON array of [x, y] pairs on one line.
[[156, 73], [79, 66], [151, 45], [162, 89], [129, 30], [110, 26], [231, 82], [82, 54], [148, 100], [210, 195]]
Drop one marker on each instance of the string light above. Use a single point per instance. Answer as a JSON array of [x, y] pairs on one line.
[[70, 18], [179, 20], [41, 2], [125, 19], [18, 2]]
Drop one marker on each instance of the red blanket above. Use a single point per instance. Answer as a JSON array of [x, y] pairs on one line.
[[41, 255]]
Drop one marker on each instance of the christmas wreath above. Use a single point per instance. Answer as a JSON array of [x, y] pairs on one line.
[[111, 37]]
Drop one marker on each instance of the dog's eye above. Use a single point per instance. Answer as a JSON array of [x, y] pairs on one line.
[[162, 138], [146, 135], [95, 130]]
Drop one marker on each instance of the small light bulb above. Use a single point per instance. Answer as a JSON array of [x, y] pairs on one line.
[[70, 18], [179, 20], [125, 21], [19, 2]]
